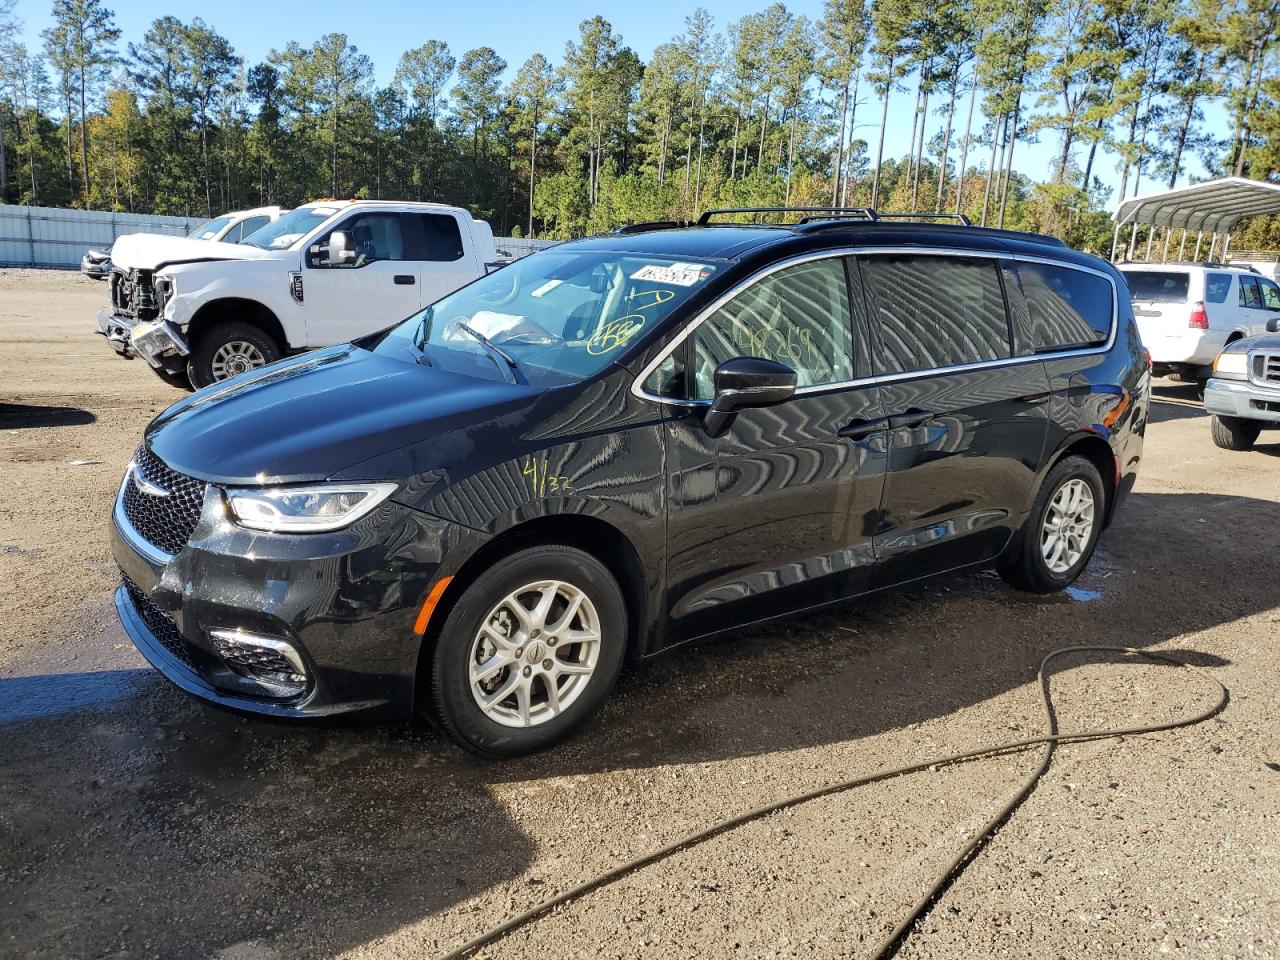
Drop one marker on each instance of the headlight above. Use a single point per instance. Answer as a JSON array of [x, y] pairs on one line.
[[1231, 365], [305, 509]]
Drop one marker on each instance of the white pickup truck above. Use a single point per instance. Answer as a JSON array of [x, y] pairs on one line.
[[324, 273]]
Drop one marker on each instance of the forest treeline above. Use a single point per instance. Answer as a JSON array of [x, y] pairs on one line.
[[773, 108]]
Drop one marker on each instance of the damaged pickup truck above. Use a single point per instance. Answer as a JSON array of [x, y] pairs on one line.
[[325, 273]]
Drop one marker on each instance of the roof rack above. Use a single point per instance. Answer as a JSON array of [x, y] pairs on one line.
[[650, 225], [865, 213], [922, 215]]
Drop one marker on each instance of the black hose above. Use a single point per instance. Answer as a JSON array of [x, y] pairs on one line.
[[890, 944]]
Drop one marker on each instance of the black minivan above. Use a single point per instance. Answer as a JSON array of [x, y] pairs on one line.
[[623, 443]]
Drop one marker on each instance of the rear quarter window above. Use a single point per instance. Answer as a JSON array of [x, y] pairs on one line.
[[1066, 308], [1160, 286]]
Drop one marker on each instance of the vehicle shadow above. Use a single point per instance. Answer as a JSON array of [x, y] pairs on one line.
[[19, 416], [149, 823], [1175, 401]]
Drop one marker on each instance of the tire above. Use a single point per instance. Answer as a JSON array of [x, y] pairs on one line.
[[228, 349], [1233, 433], [1029, 568], [530, 658]]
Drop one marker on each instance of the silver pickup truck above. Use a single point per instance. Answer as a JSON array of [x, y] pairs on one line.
[[1244, 392]]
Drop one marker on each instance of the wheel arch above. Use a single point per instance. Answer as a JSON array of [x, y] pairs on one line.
[[597, 537], [1097, 451], [243, 310]]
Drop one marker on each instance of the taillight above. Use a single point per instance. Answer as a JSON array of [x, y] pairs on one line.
[[1199, 319], [1148, 353]]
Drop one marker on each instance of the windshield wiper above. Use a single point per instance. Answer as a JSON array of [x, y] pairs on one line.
[[511, 372]]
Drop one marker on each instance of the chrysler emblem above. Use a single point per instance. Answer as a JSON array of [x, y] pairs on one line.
[[144, 484]]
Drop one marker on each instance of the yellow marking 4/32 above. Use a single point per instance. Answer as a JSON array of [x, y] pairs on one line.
[[542, 481]]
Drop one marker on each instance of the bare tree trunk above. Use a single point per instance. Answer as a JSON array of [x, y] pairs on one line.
[[1241, 136], [915, 183], [837, 157], [962, 169], [733, 160], [1008, 169], [884, 120], [1183, 131], [84, 143], [915, 124], [997, 131], [533, 169], [946, 142]]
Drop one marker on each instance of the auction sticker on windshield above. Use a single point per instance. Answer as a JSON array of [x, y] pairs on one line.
[[679, 274]]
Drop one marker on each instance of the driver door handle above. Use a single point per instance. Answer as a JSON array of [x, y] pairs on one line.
[[862, 428], [913, 417], [405, 279]]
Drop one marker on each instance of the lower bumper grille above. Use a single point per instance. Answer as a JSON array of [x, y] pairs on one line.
[[159, 623]]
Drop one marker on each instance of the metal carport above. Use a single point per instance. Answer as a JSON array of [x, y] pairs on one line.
[[1215, 206]]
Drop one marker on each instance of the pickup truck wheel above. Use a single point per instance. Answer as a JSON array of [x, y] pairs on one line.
[[1233, 433], [530, 650], [1055, 544], [227, 350]]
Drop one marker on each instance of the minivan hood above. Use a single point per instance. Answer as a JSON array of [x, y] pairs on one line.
[[307, 418], [147, 251]]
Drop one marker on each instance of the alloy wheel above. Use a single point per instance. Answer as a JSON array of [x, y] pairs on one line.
[[1067, 526], [534, 654], [235, 357]]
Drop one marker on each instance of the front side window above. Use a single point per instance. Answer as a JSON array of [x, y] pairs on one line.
[[1067, 309], [935, 311], [1250, 295], [248, 228], [1216, 287], [798, 316], [561, 315], [371, 237]]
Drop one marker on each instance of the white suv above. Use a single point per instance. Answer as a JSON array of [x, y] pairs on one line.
[[1187, 312], [325, 273]]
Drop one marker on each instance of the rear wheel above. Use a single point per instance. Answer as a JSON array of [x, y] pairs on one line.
[[1055, 544], [227, 350], [529, 651], [1233, 433]]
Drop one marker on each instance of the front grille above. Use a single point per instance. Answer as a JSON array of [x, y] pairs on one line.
[[166, 522], [1266, 367], [159, 623]]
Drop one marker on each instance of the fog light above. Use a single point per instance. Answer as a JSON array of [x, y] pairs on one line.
[[267, 661]]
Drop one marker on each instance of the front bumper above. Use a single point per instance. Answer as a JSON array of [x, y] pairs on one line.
[[1243, 399], [116, 329], [345, 601]]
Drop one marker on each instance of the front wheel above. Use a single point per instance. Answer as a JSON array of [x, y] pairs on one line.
[[1058, 538], [530, 650], [1233, 433], [229, 349]]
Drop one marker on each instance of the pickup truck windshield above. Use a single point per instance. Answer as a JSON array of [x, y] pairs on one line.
[[560, 315], [290, 228]]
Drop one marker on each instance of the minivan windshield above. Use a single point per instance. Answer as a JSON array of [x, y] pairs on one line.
[[207, 231], [1158, 286], [289, 229], [560, 315]]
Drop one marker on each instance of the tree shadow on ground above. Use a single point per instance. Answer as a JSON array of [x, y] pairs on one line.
[[25, 416], [150, 824]]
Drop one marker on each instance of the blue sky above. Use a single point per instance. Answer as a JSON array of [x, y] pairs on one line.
[[383, 30]]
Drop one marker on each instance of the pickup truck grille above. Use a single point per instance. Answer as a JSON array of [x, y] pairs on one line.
[[1266, 368], [165, 522]]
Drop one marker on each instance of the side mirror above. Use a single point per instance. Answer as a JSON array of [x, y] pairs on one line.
[[340, 249], [745, 382], [1273, 325]]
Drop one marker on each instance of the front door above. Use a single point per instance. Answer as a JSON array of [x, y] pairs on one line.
[[377, 288], [966, 430], [778, 512]]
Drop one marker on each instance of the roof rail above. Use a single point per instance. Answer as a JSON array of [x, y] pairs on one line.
[[650, 225], [923, 215], [865, 213]]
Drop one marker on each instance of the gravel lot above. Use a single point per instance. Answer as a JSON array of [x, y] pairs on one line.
[[136, 822]]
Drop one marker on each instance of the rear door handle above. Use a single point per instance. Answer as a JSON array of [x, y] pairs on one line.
[[910, 418], [405, 279], [862, 428]]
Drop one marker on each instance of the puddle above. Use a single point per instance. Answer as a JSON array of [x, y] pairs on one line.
[[1081, 595], [46, 695]]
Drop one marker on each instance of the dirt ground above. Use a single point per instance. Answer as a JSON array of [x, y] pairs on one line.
[[137, 822]]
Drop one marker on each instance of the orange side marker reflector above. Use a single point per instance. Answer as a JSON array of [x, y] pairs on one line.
[[429, 605]]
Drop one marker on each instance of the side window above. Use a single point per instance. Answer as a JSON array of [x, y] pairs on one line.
[[442, 239], [372, 237], [1066, 308], [798, 316], [935, 311], [1216, 287], [1270, 294], [667, 379], [1250, 295], [252, 225]]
